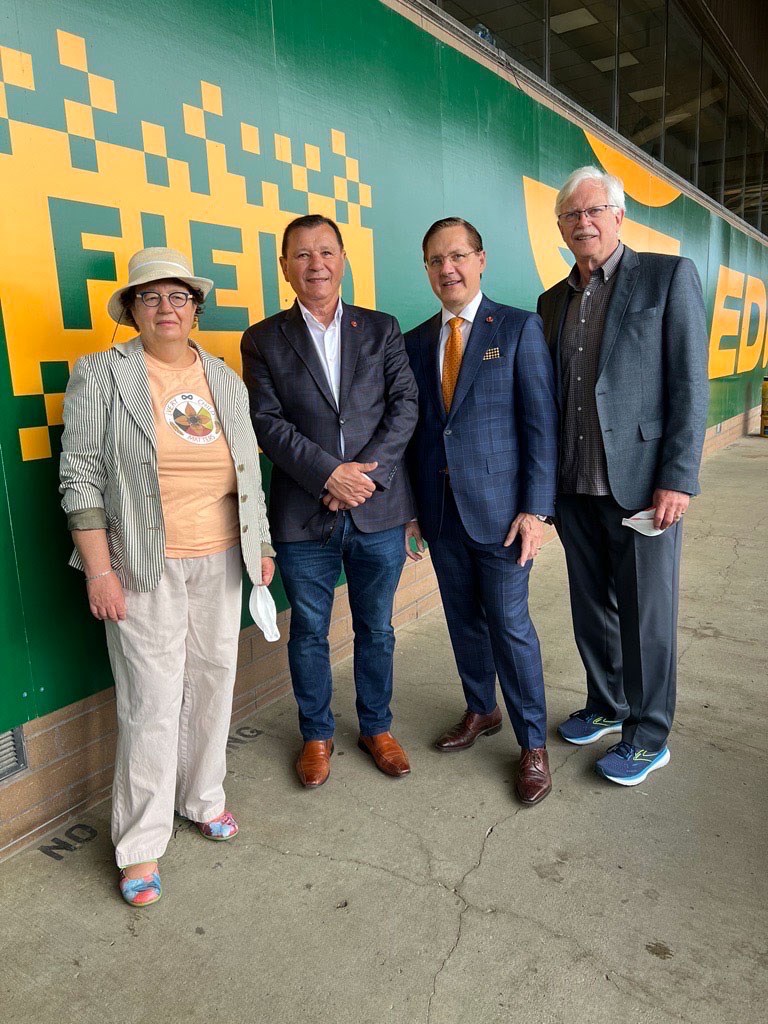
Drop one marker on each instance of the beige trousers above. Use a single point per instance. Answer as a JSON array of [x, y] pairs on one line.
[[173, 658]]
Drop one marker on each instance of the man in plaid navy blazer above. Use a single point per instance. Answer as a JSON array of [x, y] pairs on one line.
[[333, 403], [483, 465]]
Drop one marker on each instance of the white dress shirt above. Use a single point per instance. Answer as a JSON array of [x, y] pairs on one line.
[[327, 342], [468, 315]]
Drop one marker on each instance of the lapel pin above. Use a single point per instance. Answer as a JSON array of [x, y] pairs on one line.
[[489, 319], [353, 323]]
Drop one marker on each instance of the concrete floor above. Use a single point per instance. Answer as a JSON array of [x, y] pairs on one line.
[[437, 899]]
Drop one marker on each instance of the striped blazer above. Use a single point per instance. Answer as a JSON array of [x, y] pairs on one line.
[[109, 474]]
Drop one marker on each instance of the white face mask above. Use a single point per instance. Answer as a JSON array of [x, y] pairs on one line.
[[263, 612], [643, 523]]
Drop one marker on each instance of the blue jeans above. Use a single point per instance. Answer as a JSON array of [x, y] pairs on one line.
[[310, 570]]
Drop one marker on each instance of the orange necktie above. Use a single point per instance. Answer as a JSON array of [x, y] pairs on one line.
[[452, 360]]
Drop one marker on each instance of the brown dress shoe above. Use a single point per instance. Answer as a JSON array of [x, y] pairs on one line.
[[533, 781], [387, 754], [463, 735], [314, 762]]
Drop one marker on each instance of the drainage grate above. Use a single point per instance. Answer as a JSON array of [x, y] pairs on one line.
[[12, 755]]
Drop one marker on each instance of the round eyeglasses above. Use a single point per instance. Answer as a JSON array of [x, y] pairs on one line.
[[177, 299]]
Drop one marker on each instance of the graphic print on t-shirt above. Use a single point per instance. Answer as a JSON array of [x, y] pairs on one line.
[[192, 418]]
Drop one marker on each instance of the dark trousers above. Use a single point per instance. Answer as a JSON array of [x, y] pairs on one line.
[[310, 570], [485, 598], [624, 596]]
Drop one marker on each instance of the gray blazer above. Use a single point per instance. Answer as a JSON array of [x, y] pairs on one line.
[[652, 388], [108, 468], [297, 420]]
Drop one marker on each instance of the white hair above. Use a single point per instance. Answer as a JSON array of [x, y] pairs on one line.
[[614, 187]]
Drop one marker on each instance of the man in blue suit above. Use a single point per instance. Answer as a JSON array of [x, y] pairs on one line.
[[483, 464], [628, 336]]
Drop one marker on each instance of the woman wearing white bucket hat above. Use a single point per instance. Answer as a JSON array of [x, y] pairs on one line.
[[162, 489]]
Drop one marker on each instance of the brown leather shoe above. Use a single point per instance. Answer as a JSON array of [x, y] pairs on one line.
[[463, 735], [313, 765], [387, 754], [533, 781]]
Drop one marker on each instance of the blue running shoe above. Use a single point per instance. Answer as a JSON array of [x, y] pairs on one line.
[[586, 727], [628, 765]]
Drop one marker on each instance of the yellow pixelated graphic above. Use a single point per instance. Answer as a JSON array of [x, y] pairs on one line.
[[194, 121], [54, 410], [312, 157], [35, 443], [211, 96], [323, 205], [299, 178], [72, 53], [39, 166], [153, 139], [249, 138], [79, 118], [282, 148], [17, 68], [338, 142], [271, 195], [353, 169], [365, 195], [102, 93], [340, 188]]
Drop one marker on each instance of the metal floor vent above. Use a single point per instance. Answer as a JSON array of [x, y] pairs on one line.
[[12, 756]]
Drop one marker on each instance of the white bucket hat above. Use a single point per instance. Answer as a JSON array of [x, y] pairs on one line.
[[156, 264]]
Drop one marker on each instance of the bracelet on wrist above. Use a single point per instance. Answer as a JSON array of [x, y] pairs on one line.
[[99, 575]]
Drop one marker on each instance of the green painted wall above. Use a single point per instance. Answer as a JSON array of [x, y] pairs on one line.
[[209, 126]]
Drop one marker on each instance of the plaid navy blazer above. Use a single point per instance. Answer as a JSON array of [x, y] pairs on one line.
[[297, 420], [499, 441]]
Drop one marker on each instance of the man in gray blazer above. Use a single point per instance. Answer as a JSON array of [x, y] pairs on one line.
[[628, 337], [333, 404]]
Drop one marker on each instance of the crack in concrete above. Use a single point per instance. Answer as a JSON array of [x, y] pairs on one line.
[[446, 958], [422, 842], [342, 860], [467, 904]]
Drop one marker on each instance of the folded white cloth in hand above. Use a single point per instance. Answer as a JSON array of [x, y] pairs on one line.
[[643, 523], [263, 612]]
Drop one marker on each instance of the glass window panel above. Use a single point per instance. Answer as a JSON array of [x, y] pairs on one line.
[[735, 144], [764, 208], [582, 40], [682, 89], [518, 27], [753, 177], [712, 116], [641, 85]]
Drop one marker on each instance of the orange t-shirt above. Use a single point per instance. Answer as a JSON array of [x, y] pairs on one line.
[[198, 485]]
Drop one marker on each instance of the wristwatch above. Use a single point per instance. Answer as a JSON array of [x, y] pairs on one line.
[[542, 519]]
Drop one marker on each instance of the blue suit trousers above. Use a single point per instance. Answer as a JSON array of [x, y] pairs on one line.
[[485, 598]]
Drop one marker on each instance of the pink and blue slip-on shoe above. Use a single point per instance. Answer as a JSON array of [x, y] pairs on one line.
[[220, 829], [141, 892]]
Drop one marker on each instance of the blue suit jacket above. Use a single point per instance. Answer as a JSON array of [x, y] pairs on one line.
[[499, 441], [652, 390]]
